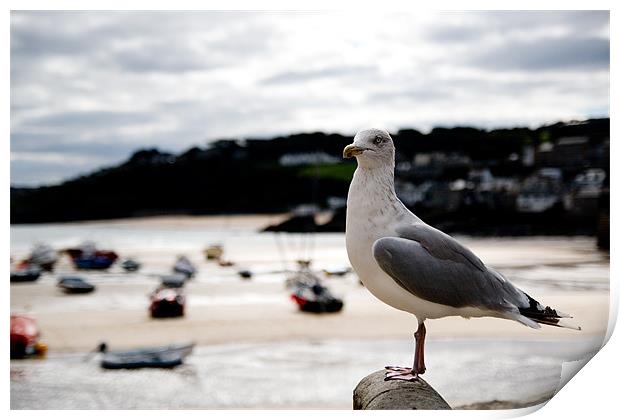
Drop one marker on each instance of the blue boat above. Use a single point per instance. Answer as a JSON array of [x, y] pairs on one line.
[[98, 262], [88, 257]]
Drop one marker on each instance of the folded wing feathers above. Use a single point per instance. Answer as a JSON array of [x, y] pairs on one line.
[[444, 247], [439, 244]]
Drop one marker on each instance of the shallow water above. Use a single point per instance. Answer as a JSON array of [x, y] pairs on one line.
[[295, 375]]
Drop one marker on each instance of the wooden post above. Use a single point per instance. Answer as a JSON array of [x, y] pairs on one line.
[[375, 393]]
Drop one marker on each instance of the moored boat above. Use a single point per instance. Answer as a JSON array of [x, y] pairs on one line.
[[27, 273], [167, 302], [25, 337], [184, 266], [74, 285], [130, 265], [43, 256], [338, 272], [173, 280], [150, 357], [214, 252], [88, 257], [316, 298]]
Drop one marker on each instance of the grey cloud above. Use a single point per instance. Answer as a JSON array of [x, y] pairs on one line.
[[426, 94], [326, 72], [29, 141], [165, 59], [448, 90], [575, 21], [91, 119], [455, 33], [25, 42], [173, 55], [546, 54], [475, 26], [55, 143], [159, 40], [505, 86], [43, 34]]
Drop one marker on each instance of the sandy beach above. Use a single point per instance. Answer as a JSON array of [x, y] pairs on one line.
[[224, 310], [213, 317]]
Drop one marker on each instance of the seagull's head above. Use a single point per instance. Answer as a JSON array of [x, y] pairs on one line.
[[372, 148]]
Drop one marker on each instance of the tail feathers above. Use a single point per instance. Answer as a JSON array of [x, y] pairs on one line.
[[545, 315], [559, 323]]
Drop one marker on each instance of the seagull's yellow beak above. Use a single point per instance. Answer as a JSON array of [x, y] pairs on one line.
[[351, 151]]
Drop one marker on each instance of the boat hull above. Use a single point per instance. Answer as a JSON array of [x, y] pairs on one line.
[[26, 275], [24, 336], [156, 357], [167, 302]]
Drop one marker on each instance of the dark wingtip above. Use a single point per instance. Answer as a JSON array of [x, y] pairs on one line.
[[547, 315]]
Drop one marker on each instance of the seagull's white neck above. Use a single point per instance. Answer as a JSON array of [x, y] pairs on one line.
[[372, 196], [378, 181]]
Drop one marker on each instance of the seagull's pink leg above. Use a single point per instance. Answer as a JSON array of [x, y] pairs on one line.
[[411, 374], [420, 336]]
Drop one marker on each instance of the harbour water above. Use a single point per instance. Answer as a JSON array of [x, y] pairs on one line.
[[255, 351]]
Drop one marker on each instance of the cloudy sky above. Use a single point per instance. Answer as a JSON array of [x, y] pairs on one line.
[[88, 88]]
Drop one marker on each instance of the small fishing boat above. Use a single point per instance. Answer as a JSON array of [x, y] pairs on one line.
[[25, 273], [95, 262], [74, 285], [338, 272], [151, 357], [315, 298], [214, 252], [25, 337], [44, 256], [184, 266], [167, 302], [130, 265], [88, 257], [173, 280]]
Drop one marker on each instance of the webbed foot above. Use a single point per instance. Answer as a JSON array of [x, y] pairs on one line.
[[400, 373]]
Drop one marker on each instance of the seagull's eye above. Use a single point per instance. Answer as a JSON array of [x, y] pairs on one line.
[[377, 140]]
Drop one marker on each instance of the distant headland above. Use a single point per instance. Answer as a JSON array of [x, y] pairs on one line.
[[547, 180]]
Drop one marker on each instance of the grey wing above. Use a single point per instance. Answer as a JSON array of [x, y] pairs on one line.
[[439, 244], [435, 267]]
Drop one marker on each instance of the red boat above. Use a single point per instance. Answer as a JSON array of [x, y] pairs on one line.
[[25, 337], [167, 302], [315, 298]]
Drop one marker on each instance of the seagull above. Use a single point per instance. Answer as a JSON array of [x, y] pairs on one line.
[[416, 268]]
